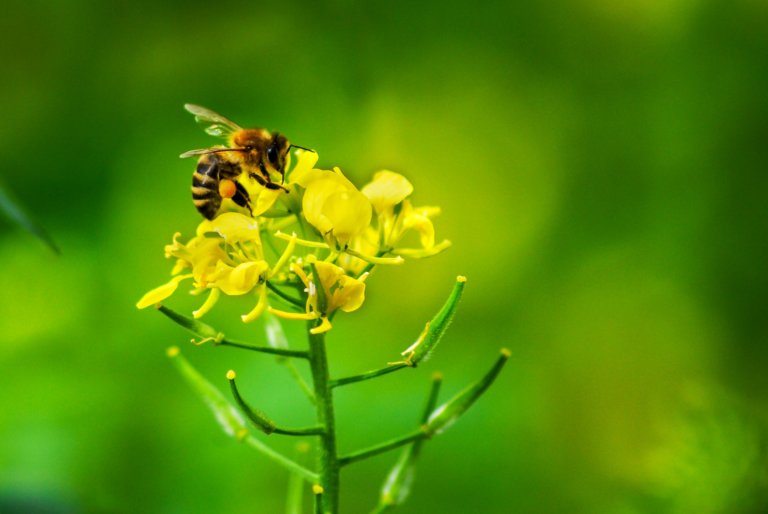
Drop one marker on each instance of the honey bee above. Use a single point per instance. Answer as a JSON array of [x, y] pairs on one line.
[[254, 153]]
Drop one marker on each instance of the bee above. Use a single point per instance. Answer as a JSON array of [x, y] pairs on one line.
[[254, 153]]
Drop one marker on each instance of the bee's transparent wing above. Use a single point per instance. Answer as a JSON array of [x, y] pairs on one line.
[[215, 124], [192, 153]]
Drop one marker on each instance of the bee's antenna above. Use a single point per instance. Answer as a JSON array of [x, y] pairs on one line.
[[301, 148]]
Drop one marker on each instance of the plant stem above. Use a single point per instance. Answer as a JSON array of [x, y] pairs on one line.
[[382, 447], [370, 374], [287, 463], [328, 460], [300, 380], [285, 296], [298, 431], [263, 349]]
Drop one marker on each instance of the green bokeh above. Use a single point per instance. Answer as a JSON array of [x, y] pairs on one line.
[[602, 172]]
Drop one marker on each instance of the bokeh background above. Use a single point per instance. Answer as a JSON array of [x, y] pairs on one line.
[[602, 172]]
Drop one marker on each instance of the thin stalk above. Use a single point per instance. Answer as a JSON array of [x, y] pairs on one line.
[[294, 503], [382, 447], [327, 459], [300, 380], [287, 463], [288, 298], [368, 375], [298, 431], [264, 349]]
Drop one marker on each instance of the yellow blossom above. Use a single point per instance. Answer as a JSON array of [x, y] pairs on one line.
[[388, 192], [334, 206], [225, 256], [328, 290]]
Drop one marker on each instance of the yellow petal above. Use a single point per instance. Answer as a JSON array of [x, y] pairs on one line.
[[303, 174], [387, 189], [159, 294], [265, 200], [259, 309], [342, 292], [240, 279], [325, 326], [213, 297], [234, 227], [352, 295], [349, 213]]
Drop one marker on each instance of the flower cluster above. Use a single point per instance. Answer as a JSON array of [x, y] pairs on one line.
[[338, 233]]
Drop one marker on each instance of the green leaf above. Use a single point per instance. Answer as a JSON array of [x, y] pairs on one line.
[[434, 330], [226, 414], [18, 215], [449, 412]]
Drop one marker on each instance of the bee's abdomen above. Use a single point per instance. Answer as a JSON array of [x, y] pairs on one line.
[[205, 186]]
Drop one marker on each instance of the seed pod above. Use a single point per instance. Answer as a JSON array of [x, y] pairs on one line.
[[449, 412], [227, 416], [198, 328], [434, 329], [258, 418]]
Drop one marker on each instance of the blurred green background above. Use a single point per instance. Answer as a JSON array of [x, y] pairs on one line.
[[602, 172]]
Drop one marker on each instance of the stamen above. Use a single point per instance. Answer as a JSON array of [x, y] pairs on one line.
[[285, 256], [302, 242], [375, 260], [306, 316]]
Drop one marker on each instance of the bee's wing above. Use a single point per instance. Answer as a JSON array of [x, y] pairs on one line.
[[192, 153], [216, 124]]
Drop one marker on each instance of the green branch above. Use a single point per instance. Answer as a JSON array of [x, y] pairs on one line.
[[368, 375], [285, 296], [309, 476], [208, 333], [383, 447], [299, 354]]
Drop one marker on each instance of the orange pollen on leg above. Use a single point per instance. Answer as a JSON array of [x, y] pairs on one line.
[[227, 188]]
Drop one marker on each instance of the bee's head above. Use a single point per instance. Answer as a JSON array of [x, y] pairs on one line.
[[276, 153]]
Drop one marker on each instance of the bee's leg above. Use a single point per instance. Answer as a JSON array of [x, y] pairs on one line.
[[242, 198], [266, 182]]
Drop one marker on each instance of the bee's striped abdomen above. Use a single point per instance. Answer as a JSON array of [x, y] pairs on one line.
[[210, 170], [205, 186]]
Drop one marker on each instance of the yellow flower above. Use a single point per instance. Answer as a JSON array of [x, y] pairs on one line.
[[263, 199], [334, 206], [328, 290], [225, 256], [388, 193], [386, 190]]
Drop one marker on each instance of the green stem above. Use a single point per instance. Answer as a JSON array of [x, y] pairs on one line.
[[287, 463], [328, 460], [383, 447], [300, 380], [285, 296], [264, 349], [370, 374], [298, 431]]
